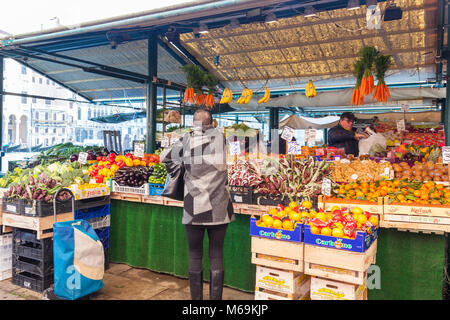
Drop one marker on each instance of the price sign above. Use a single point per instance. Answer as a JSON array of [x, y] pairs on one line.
[[405, 107], [288, 133], [310, 135], [294, 147], [165, 142], [385, 173], [82, 157], [234, 147], [401, 125], [139, 150], [446, 154], [326, 187]]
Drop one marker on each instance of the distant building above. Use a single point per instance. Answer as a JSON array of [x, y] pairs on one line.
[[32, 122]]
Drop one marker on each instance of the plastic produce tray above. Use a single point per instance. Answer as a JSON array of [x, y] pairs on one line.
[[30, 281], [89, 203], [241, 194], [156, 189], [11, 205], [93, 212], [40, 268], [39, 208], [103, 234]]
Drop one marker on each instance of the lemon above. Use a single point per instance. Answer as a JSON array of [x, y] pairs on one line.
[[307, 204], [357, 210], [288, 225], [277, 224], [373, 220], [322, 216], [293, 204], [325, 231], [337, 232], [315, 230]]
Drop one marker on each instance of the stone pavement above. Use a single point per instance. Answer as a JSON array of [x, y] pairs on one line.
[[122, 282]]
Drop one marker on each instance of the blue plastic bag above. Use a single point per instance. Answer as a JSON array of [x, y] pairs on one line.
[[79, 259]]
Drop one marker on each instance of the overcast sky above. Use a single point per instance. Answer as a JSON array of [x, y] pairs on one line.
[[27, 16]]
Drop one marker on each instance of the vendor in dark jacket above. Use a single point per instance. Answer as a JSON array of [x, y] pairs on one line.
[[343, 135]]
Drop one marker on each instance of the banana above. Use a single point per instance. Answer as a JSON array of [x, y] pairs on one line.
[[227, 96], [242, 97], [266, 96], [248, 96]]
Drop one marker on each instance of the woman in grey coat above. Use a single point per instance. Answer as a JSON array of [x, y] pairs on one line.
[[207, 201]]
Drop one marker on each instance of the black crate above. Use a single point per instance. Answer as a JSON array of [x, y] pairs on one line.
[[40, 268], [241, 194], [11, 205], [92, 202], [269, 200], [31, 250], [24, 235], [39, 208], [106, 251], [31, 281]]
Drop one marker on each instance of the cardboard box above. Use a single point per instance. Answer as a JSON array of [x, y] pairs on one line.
[[89, 193], [283, 281], [278, 234], [324, 289]]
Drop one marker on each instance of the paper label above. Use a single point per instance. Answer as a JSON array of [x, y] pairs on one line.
[[326, 187], [139, 150], [446, 154], [294, 147], [310, 135], [164, 141], [82, 157], [288, 133], [354, 176], [405, 107], [401, 125], [234, 147], [237, 198], [11, 207]]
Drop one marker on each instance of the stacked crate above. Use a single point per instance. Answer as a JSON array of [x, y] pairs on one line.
[[278, 255], [99, 217], [5, 256], [32, 260], [338, 266]]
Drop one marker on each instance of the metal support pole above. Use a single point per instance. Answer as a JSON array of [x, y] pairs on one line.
[[1, 110], [150, 143]]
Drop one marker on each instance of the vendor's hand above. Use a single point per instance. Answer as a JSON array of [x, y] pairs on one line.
[[359, 136]]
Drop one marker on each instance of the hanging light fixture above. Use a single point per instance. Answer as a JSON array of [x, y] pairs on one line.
[[310, 11], [353, 5], [203, 28], [271, 18]]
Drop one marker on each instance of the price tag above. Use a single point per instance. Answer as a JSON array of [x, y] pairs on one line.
[[405, 107], [310, 135], [288, 133], [294, 147], [165, 141], [234, 147], [354, 176], [401, 125], [139, 150], [385, 173], [446, 154], [326, 187], [82, 157]]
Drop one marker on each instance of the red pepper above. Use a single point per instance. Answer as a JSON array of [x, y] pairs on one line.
[[318, 223], [104, 159], [128, 155], [111, 157], [99, 158], [120, 164]]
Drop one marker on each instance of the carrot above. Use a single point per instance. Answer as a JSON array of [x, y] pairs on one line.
[[387, 91], [374, 94]]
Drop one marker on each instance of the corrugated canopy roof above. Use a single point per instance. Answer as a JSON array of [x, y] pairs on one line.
[[293, 50]]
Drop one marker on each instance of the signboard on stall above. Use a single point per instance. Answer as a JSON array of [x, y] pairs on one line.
[[294, 148], [234, 147], [287, 133]]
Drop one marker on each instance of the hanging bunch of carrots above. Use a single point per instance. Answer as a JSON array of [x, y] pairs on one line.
[[196, 80], [370, 59], [382, 64]]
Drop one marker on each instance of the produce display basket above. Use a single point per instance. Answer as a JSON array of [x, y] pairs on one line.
[[156, 189], [144, 190], [40, 208], [361, 243], [241, 194], [93, 212], [11, 205], [295, 235]]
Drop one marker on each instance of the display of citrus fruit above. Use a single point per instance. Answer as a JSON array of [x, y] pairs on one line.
[[362, 219], [322, 216], [333, 208], [273, 211], [268, 220], [357, 210], [277, 224], [293, 204], [374, 220], [288, 225], [294, 216], [315, 230], [307, 204]]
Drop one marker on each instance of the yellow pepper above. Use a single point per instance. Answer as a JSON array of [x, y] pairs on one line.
[[114, 168], [136, 162], [143, 163], [128, 162]]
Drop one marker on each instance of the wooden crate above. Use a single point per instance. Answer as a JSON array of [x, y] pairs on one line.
[[372, 207], [325, 289], [282, 281], [411, 223], [340, 265], [279, 254], [126, 196], [153, 199], [254, 209], [264, 294], [417, 210], [42, 225]]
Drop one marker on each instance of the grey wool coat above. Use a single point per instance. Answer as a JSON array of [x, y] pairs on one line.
[[207, 198]]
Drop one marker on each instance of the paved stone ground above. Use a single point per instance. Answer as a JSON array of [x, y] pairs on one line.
[[122, 282]]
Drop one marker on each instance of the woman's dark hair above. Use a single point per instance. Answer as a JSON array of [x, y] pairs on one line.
[[203, 116]]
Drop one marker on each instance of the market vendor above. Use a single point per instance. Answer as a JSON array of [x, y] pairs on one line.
[[343, 135]]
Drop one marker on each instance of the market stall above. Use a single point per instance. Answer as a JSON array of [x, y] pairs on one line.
[[372, 227]]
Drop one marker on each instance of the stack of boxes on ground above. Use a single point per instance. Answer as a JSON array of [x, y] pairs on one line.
[[300, 265], [31, 222]]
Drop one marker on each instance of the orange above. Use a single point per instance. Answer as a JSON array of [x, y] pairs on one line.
[[347, 187], [435, 201], [362, 219], [337, 232], [383, 183], [364, 185], [293, 204], [335, 208], [357, 210], [315, 230], [359, 193], [424, 196], [305, 215], [439, 186], [288, 225], [325, 231], [383, 192], [294, 216], [277, 224], [273, 212], [322, 216], [268, 220], [288, 210], [281, 214], [262, 225], [396, 183], [307, 204], [417, 193], [373, 220]]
